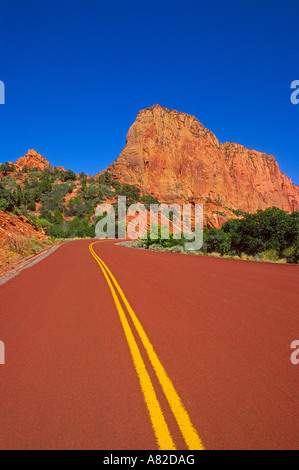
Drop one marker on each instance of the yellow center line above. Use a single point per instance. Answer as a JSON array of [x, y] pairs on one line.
[[162, 433], [183, 420]]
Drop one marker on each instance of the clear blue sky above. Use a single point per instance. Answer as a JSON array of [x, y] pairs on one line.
[[77, 73]]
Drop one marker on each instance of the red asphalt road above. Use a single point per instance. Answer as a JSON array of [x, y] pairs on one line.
[[221, 328]]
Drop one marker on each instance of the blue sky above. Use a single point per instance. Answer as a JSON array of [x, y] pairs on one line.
[[77, 73]]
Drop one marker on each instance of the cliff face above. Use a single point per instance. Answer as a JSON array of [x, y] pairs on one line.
[[32, 160], [171, 155]]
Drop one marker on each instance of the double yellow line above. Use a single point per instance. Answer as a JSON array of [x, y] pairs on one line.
[[160, 427]]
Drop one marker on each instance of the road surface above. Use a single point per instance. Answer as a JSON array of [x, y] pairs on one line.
[[171, 351]]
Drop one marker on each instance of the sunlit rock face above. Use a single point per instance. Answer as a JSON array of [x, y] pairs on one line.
[[171, 155]]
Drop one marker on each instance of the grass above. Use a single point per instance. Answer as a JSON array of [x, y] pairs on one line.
[[155, 247], [17, 248]]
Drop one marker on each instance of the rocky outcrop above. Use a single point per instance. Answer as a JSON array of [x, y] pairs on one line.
[[171, 155], [19, 225], [32, 160]]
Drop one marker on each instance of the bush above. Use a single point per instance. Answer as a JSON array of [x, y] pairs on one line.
[[215, 254], [3, 204], [106, 191], [218, 241], [132, 193], [7, 168], [164, 243], [291, 254], [134, 244], [68, 175], [147, 200], [270, 255], [44, 224], [272, 229], [105, 178], [177, 249]]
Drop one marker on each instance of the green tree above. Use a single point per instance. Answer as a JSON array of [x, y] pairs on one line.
[[58, 217], [68, 175], [147, 200], [3, 204], [105, 178], [218, 241], [7, 168], [131, 192]]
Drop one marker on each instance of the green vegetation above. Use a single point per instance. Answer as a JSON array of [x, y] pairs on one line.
[[7, 168], [132, 194], [63, 205], [271, 235], [147, 200], [171, 242], [57, 201], [17, 247]]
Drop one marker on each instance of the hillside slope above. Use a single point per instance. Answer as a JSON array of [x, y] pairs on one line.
[[19, 238]]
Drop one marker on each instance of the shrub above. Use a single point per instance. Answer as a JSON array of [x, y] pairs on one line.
[[147, 200], [156, 247], [3, 204], [7, 168], [68, 175], [105, 178], [116, 185], [106, 191], [134, 244], [132, 193], [291, 254], [177, 249], [44, 224], [272, 229], [270, 255], [218, 241], [164, 243]]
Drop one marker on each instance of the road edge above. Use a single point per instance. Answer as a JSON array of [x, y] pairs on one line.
[[28, 263]]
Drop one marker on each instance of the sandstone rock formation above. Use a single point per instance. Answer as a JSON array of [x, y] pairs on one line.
[[32, 160], [171, 155]]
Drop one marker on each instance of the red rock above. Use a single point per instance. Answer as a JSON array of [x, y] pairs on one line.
[[16, 235], [32, 160], [172, 156]]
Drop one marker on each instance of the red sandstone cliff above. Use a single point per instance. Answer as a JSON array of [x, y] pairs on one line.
[[171, 155]]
